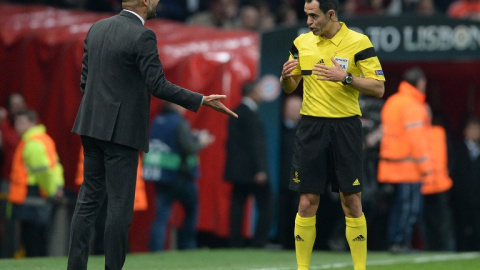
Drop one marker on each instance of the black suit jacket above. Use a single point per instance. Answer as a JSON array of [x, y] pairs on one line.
[[121, 69], [465, 174], [246, 149]]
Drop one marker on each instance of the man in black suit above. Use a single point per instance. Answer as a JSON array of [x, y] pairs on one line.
[[465, 172], [120, 71], [246, 168]]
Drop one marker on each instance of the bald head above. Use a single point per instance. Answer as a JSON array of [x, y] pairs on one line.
[[145, 8]]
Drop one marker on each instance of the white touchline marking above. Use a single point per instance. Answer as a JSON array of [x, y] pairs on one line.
[[425, 259]]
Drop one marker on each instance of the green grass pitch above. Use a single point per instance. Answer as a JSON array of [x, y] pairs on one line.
[[258, 259]]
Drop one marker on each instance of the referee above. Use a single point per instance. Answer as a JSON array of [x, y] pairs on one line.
[[336, 64]]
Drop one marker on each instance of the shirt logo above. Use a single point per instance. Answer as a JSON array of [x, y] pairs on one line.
[[299, 238], [359, 238], [296, 179], [356, 183], [379, 72], [343, 62], [321, 62]]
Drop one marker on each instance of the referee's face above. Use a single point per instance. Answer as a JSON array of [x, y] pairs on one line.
[[316, 19]]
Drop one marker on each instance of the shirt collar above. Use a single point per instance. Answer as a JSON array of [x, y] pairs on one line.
[[338, 36], [250, 103], [141, 19], [473, 148]]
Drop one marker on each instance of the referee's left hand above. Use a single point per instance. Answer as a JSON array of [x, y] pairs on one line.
[[334, 74]]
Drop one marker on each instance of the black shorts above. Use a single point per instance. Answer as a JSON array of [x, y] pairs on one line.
[[327, 151]]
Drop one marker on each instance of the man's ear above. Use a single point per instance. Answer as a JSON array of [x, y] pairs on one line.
[[330, 13]]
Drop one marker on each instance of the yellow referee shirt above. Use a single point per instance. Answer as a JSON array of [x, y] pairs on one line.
[[353, 51]]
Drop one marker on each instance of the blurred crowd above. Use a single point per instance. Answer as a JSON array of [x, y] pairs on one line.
[[263, 15]]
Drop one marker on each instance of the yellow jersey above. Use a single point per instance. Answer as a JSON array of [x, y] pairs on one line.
[[356, 55]]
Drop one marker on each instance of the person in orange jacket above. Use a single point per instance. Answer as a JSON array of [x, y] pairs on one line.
[[437, 215], [36, 181], [140, 204], [405, 156]]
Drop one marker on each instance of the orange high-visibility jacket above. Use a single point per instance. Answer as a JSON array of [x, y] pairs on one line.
[[140, 193], [404, 149], [35, 163], [440, 180]]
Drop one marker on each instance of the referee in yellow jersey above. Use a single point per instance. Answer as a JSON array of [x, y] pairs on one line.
[[336, 64]]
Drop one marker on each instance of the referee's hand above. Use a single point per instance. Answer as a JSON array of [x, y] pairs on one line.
[[325, 73]]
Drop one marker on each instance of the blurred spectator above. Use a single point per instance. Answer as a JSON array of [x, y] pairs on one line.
[[267, 18], [348, 8], [172, 165], [425, 8], [180, 10], [465, 171], [249, 18], [465, 9], [267, 22], [286, 16], [288, 200], [246, 168], [221, 13], [36, 182], [404, 156], [437, 214], [10, 138]]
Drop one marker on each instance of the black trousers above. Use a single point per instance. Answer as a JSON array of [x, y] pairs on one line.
[[264, 202], [109, 169]]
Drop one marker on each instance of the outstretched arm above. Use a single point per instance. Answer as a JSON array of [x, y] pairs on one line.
[[213, 101]]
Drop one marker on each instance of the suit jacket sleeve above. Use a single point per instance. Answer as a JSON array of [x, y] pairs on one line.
[[151, 70], [83, 76]]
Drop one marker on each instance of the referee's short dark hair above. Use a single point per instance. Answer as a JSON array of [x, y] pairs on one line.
[[248, 88], [413, 75], [326, 5]]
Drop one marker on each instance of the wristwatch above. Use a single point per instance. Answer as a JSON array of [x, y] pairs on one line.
[[348, 79]]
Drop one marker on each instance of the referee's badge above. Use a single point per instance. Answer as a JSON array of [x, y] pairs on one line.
[[343, 62], [296, 179]]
